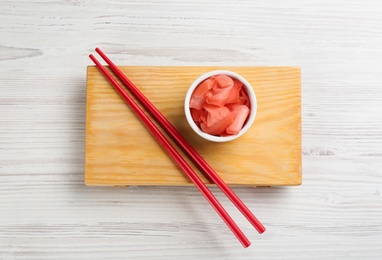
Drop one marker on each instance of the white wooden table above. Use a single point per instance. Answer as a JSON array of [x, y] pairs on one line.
[[47, 213]]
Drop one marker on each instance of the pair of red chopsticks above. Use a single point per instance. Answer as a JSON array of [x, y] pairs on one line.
[[186, 147]]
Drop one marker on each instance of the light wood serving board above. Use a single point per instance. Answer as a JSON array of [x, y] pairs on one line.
[[121, 152]]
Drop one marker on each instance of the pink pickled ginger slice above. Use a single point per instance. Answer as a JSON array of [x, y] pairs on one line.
[[216, 114], [234, 95], [219, 127], [198, 97], [224, 81], [239, 114], [219, 96]]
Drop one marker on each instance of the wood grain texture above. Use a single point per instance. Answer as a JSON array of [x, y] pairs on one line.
[[120, 151], [47, 213]]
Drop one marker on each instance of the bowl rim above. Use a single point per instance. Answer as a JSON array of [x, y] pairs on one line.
[[251, 95]]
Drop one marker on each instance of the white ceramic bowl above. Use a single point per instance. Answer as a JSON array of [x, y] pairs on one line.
[[251, 96]]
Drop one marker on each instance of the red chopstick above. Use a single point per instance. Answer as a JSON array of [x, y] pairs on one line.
[[186, 147], [176, 156]]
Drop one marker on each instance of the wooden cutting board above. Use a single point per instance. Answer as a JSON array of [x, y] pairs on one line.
[[121, 152]]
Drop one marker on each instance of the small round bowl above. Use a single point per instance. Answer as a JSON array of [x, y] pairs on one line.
[[251, 96]]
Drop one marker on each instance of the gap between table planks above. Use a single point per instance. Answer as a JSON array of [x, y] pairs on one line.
[[121, 152]]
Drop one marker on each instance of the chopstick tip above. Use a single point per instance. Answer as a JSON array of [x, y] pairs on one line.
[[260, 228]]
